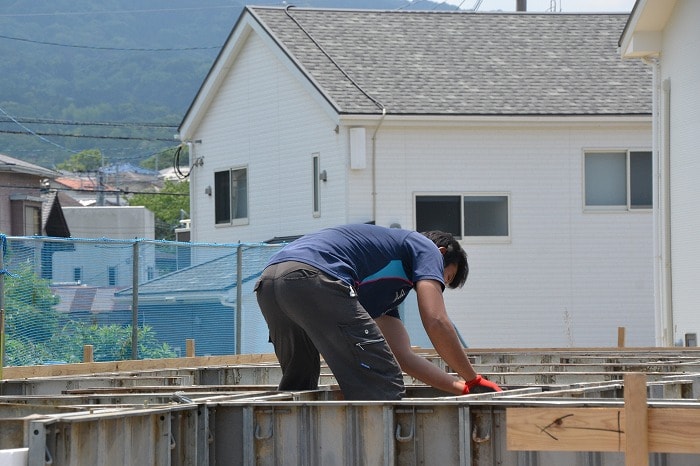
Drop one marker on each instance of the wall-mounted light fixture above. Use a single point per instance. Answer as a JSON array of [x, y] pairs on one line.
[[207, 190], [323, 176]]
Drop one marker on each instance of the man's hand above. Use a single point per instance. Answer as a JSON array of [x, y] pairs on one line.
[[480, 385]]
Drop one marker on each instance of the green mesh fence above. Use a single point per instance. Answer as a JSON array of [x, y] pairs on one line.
[[62, 294]]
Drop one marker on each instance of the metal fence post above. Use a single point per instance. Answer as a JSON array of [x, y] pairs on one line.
[[135, 303], [239, 295], [2, 304]]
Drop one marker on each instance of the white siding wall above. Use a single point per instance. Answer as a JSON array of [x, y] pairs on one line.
[[263, 118], [123, 222], [680, 65], [115, 223], [568, 277]]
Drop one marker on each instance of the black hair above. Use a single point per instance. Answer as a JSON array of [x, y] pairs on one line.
[[454, 255]]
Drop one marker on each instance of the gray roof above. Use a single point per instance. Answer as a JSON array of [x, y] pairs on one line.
[[211, 277], [11, 164], [463, 63]]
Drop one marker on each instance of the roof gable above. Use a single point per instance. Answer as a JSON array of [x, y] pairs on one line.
[[458, 63]]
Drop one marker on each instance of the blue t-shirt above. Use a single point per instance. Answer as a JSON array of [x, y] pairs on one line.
[[381, 264]]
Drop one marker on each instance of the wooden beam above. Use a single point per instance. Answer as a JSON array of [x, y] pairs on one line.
[[190, 351], [88, 353], [674, 430], [24, 372], [635, 429], [636, 420], [620, 337], [670, 430], [565, 429]]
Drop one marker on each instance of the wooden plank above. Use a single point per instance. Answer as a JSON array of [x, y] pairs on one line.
[[636, 420], [674, 430], [88, 352], [620, 337], [671, 430], [565, 429], [23, 372]]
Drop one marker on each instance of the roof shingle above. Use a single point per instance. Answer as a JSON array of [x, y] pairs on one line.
[[464, 63]]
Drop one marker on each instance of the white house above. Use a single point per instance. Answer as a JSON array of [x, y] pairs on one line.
[[115, 265], [525, 134], [664, 34]]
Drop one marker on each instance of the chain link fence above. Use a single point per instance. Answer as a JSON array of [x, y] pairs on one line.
[[129, 299], [135, 299]]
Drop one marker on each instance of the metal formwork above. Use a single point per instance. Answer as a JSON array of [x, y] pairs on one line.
[[222, 415]]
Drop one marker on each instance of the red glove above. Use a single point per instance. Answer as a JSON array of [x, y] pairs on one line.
[[480, 385]]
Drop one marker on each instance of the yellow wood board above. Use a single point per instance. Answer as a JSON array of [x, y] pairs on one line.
[[25, 372], [670, 430]]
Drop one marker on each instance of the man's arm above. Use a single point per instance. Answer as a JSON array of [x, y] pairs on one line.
[[413, 364], [440, 329]]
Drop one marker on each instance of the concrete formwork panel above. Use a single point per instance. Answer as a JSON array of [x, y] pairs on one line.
[[232, 414]]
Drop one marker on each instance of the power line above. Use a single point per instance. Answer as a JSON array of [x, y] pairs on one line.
[[49, 121], [40, 134], [110, 12], [102, 191], [120, 49], [35, 134]]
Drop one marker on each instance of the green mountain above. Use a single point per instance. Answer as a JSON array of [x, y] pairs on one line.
[[122, 72]]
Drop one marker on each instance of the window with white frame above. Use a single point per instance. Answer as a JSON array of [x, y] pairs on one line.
[[473, 215], [316, 183], [618, 180], [231, 196]]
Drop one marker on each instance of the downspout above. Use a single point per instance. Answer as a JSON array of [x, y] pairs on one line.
[[663, 302], [193, 186], [374, 166], [665, 154]]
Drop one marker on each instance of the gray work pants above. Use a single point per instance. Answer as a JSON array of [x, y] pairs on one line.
[[307, 313]]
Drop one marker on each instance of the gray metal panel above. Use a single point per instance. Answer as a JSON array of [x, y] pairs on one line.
[[153, 421]]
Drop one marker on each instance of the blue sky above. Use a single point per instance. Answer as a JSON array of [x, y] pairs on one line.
[[565, 6]]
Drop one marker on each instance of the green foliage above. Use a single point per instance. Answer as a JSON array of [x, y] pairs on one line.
[[35, 334], [89, 160], [110, 343], [166, 208], [29, 306], [25, 353]]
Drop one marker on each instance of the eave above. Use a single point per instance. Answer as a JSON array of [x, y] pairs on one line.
[[642, 36]]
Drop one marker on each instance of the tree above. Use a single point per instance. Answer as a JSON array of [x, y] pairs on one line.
[[110, 342], [36, 333], [31, 317], [169, 205], [89, 160]]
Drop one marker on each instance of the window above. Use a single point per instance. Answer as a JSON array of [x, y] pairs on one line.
[[618, 180], [316, 173], [77, 274], [231, 196], [32, 220], [464, 215], [112, 276], [25, 215]]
